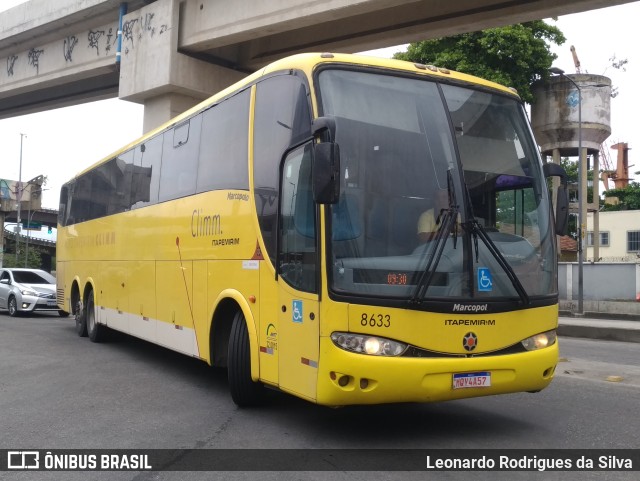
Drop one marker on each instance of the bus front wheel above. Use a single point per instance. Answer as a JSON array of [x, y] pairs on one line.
[[244, 391]]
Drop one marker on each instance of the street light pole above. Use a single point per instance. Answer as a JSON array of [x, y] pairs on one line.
[[19, 196], [558, 71]]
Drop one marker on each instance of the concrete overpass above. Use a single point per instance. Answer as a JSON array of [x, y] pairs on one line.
[[46, 217], [175, 53]]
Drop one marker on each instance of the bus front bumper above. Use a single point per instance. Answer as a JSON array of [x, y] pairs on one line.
[[346, 378]]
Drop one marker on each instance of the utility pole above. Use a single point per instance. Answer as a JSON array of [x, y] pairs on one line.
[[19, 197]]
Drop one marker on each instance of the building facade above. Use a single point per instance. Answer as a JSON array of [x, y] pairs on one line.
[[618, 236]]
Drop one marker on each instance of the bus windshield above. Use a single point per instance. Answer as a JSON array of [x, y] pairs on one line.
[[442, 192]]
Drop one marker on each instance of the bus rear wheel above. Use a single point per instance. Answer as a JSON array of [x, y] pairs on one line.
[[244, 391], [95, 331], [81, 320]]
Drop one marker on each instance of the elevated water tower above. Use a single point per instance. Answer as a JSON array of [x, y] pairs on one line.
[[554, 114], [555, 118]]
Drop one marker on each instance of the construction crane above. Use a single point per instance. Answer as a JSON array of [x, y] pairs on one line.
[[620, 176], [604, 157], [607, 172]]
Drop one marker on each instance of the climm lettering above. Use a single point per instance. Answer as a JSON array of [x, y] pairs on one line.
[[469, 322], [205, 225]]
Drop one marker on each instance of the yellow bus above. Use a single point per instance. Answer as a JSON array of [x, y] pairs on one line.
[[273, 230]]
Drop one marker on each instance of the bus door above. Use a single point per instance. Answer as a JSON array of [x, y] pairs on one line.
[[299, 314]]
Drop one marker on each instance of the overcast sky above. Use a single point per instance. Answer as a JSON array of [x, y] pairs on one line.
[[59, 143]]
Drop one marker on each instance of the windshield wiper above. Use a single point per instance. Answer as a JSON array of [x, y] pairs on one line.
[[448, 222], [478, 231]]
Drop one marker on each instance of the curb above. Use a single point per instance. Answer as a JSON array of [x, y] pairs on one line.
[[599, 315], [598, 332]]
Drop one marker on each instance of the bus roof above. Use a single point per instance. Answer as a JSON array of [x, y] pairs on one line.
[[307, 62]]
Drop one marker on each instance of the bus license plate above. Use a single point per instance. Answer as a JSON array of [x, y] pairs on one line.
[[471, 379]]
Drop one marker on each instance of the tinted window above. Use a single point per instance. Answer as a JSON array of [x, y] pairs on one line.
[[28, 277], [62, 208], [282, 118], [180, 160], [223, 160], [145, 181], [298, 258], [83, 205]]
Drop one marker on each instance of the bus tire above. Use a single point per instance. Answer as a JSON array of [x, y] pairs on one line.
[[95, 331], [81, 320], [244, 391]]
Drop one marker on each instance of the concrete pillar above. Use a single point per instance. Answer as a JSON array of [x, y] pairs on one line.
[[162, 108], [155, 74], [1, 238], [583, 205], [555, 183], [596, 207]]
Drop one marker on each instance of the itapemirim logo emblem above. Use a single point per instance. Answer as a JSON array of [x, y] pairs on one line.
[[470, 341]]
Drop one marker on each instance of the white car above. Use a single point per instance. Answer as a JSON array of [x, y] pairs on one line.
[[27, 290]]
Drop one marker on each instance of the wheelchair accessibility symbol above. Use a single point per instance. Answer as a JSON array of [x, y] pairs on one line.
[[297, 311], [485, 283]]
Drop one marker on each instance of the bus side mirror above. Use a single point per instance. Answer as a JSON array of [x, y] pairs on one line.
[[562, 211], [326, 173], [562, 199]]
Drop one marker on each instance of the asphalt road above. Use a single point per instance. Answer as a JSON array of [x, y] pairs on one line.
[[60, 391]]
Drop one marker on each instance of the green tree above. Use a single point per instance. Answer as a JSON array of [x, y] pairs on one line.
[[571, 168], [629, 197], [33, 260], [514, 56]]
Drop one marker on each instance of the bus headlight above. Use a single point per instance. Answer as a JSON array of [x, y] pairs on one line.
[[363, 344], [540, 341]]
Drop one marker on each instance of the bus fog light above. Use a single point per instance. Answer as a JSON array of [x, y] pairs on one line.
[[363, 344], [540, 341]]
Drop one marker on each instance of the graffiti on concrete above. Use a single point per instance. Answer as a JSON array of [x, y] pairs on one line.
[[127, 30], [68, 45], [147, 25], [11, 61], [34, 58], [110, 39], [94, 37], [139, 28]]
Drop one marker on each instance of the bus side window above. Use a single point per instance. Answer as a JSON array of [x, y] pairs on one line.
[[298, 253], [145, 182], [224, 143], [64, 202], [180, 150], [282, 118]]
